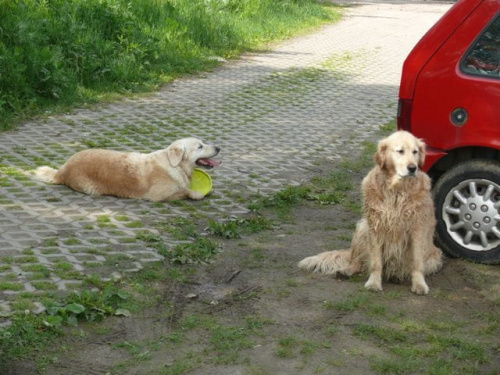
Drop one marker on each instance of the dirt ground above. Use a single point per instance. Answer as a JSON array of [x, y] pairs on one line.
[[253, 312]]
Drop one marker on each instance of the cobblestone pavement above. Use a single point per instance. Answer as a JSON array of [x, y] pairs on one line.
[[274, 114]]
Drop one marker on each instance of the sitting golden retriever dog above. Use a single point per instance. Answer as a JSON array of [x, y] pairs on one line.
[[158, 176], [394, 239]]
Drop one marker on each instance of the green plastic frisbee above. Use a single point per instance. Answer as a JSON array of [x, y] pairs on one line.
[[201, 181]]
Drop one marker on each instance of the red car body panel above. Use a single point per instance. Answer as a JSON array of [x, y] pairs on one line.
[[433, 85], [431, 157], [430, 43]]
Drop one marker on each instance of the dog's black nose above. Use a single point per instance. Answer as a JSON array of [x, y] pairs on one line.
[[217, 148], [412, 168]]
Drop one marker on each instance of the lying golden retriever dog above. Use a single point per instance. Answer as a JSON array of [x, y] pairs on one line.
[[394, 239], [158, 176]]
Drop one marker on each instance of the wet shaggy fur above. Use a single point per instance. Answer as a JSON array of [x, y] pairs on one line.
[[157, 176], [394, 239]]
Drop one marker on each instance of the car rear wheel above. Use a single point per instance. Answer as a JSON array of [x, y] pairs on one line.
[[467, 199]]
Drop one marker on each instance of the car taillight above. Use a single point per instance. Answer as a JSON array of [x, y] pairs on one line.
[[404, 114]]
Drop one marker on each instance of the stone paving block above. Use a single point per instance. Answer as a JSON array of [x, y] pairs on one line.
[[274, 114]]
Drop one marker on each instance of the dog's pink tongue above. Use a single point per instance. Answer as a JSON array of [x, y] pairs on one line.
[[210, 162]]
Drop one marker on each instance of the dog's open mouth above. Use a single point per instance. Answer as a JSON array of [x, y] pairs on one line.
[[208, 163]]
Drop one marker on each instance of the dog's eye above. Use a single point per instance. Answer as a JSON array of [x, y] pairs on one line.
[[200, 146], [415, 152], [401, 152]]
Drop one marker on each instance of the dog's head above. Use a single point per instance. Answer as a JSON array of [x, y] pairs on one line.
[[400, 155], [190, 152]]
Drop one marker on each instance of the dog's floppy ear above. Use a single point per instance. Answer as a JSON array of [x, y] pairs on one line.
[[421, 153], [381, 154], [175, 154]]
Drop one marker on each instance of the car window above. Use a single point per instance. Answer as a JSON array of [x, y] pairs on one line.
[[484, 57]]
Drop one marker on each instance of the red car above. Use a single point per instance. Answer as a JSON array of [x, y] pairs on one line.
[[450, 97]]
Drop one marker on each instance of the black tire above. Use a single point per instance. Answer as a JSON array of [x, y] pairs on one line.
[[468, 223]]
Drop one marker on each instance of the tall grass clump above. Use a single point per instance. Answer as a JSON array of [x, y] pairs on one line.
[[66, 52]]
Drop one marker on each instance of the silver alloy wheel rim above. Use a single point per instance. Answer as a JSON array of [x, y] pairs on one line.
[[471, 211]]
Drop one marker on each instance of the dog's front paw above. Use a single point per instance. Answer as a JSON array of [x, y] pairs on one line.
[[420, 288], [374, 283], [418, 284], [196, 195]]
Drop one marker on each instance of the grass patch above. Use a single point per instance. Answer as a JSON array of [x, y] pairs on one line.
[[72, 242], [235, 228], [397, 366], [290, 347], [283, 201], [5, 285], [286, 347], [50, 242], [27, 335], [364, 161], [355, 301], [331, 189], [27, 259], [389, 127], [134, 224], [380, 334], [199, 249], [417, 347], [180, 228], [222, 342], [458, 348], [59, 53], [202, 250], [30, 334]]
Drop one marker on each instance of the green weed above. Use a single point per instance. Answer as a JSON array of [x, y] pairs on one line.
[[89, 306], [30, 333], [331, 189], [353, 302], [235, 228], [27, 259], [458, 348], [179, 367], [229, 338], [202, 250], [199, 249], [389, 127], [380, 334], [134, 224], [364, 161], [26, 335], [72, 241], [34, 268], [396, 366], [5, 285], [135, 350], [44, 285], [286, 347], [102, 219], [282, 201], [50, 242], [180, 228], [148, 236]]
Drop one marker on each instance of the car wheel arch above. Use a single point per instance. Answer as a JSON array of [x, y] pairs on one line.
[[459, 155]]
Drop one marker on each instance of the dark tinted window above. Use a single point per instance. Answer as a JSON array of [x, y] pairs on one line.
[[484, 56]]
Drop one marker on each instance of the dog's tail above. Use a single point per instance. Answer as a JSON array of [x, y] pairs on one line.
[[46, 174], [329, 263]]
